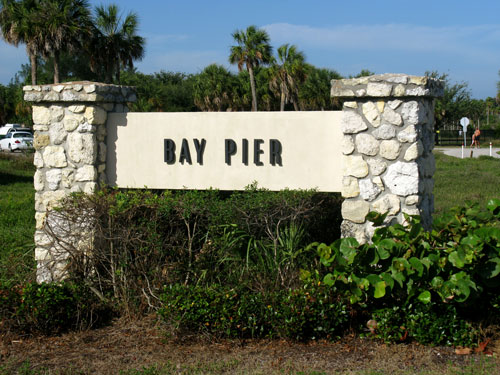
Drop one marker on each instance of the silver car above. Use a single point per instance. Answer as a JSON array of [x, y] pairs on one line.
[[17, 141]]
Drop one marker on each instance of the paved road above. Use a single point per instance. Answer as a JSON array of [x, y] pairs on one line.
[[457, 151]]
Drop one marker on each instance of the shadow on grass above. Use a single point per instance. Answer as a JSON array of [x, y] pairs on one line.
[[8, 178]]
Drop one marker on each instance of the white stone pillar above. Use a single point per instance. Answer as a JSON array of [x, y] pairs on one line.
[[388, 123], [70, 152]]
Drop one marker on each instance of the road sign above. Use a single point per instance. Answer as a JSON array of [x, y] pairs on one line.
[[464, 121]]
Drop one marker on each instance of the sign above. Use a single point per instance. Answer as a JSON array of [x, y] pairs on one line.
[[464, 121], [225, 150]]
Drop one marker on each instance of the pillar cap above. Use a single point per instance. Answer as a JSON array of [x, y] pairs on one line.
[[387, 86], [79, 92]]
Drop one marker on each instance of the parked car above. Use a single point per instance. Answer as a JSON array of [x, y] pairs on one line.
[[17, 141], [5, 129]]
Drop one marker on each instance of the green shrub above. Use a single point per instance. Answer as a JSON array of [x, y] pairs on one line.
[[300, 314], [143, 240], [434, 324], [50, 308]]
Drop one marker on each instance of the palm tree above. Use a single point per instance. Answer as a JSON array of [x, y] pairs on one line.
[[287, 74], [65, 24], [315, 91], [116, 41], [252, 50], [19, 24]]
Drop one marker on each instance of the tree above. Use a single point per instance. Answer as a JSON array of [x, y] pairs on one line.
[[212, 89], [65, 25], [314, 93], [287, 73], [253, 49], [452, 106], [20, 24], [115, 43]]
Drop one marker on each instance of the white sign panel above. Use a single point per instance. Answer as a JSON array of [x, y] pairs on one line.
[[225, 150]]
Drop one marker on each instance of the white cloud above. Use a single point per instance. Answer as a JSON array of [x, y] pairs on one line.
[[460, 41]]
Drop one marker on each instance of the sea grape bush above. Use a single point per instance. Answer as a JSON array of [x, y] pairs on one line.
[[457, 262]]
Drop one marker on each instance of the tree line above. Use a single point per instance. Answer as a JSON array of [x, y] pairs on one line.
[[66, 40]]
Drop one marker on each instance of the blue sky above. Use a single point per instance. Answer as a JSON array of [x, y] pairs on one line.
[[461, 38]]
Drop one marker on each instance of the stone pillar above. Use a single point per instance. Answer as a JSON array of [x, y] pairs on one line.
[[388, 123], [70, 152]]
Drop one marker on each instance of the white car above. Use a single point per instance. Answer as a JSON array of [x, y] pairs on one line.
[[17, 141]]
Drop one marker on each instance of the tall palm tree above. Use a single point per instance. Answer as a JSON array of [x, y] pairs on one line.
[[116, 42], [287, 73], [65, 24], [252, 50], [19, 24]]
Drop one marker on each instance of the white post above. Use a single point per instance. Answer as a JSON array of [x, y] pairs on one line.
[[491, 151], [462, 150]]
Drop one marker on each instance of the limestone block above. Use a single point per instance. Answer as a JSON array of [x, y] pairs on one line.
[[57, 133], [95, 115], [42, 239], [350, 187], [90, 188], [409, 134], [37, 159], [371, 113], [40, 140], [357, 231], [378, 89], [76, 189], [419, 80], [40, 218], [352, 123], [53, 178], [378, 181], [414, 151], [377, 166], [58, 88], [392, 117], [413, 113], [41, 115], [86, 173], [390, 149], [69, 96], [77, 87], [68, 178], [51, 199], [86, 128], [394, 104], [389, 204], [72, 122], [82, 147], [54, 157], [412, 200], [355, 210], [38, 181], [353, 105], [402, 178], [399, 90], [380, 106], [355, 166], [367, 144], [368, 190], [57, 113], [77, 108], [411, 211], [360, 93], [385, 131]]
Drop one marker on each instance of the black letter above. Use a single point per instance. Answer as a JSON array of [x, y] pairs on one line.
[[185, 154], [257, 151], [200, 149], [275, 152], [244, 156], [230, 150], [169, 151]]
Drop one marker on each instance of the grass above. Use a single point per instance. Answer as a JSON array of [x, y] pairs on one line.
[[17, 217], [457, 181]]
